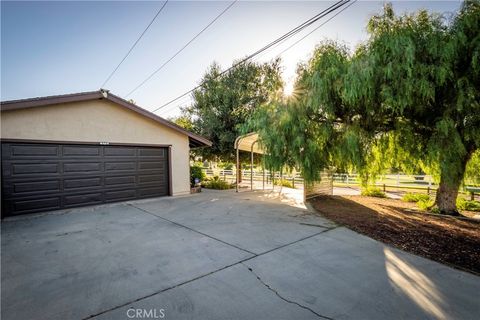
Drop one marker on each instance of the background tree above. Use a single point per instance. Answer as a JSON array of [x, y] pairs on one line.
[[407, 98], [225, 102], [472, 172], [184, 120]]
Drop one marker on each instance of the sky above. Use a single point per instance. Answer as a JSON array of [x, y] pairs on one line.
[[50, 48]]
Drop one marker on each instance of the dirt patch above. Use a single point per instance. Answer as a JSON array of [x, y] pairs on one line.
[[448, 240]]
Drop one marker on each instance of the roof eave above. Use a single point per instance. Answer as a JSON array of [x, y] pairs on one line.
[[195, 141]]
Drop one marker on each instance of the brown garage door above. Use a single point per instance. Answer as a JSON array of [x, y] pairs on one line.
[[39, 177]]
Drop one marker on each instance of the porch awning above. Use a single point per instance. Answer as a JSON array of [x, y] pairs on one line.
[[246, 142]]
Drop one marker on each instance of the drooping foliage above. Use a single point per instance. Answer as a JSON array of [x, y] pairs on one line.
[[407, 98], [317, 127], [224, 103]]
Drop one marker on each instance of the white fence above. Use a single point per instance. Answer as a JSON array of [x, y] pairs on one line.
[[339, 179], [260, 179], [401, 182], [389, 180]]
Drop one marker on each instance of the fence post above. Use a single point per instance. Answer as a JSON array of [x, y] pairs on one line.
[[428, 190], [263, 178], [472, 195], [347, 180], [293, 182], [384, 189]]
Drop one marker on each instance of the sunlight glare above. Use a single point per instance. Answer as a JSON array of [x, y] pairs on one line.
[[415, 285], [288, 89]]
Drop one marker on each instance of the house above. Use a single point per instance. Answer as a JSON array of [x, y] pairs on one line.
[[89, 148]]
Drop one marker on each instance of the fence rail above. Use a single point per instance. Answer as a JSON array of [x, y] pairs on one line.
[[400, 182], [264, 177]]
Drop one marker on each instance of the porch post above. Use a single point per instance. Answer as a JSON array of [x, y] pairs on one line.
[[263, 172], [238, 169], [251, 165]]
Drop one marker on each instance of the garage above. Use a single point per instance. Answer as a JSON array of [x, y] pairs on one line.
[[86, 149], [39, 177]]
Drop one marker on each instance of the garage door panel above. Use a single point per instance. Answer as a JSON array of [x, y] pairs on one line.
[[149, 165], [152, 152], [151, 192], [81, 151], [120, 166], [120, 180], [35, 205], [41, 177], [33, 168], [82, 182], [82, 167], [151, 178], [34, 150], [27, 151], [120, 152], [121, 195], [35, 186], [83, 199]]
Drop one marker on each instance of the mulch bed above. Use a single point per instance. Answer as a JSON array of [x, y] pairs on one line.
[[451, 241]]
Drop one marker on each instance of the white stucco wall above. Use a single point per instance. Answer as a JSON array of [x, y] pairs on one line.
[[99, 121]]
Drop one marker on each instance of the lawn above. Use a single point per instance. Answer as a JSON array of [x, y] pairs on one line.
[[447, 240]]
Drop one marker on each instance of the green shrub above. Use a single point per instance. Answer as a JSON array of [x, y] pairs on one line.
[[196, 173], [283, 183], [415, 197], [216, 183], [425, 204], [373, 192], [470, 205], [228, 166]]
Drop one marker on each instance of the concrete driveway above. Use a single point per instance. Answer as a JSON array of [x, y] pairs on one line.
[[217, 255]]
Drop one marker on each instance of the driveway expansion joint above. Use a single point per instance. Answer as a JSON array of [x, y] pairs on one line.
[[191, 229], [314, 225], [266, 285], [296, 241]]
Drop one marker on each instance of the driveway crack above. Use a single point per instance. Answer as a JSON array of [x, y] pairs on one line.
[[266, 285]]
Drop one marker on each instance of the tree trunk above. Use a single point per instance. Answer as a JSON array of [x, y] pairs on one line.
[[446, 198], [447, 192]]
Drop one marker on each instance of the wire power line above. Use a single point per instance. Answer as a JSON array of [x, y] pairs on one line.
[[134, 45], [287, 35], [181, 49], [299, 40], [321, 25]]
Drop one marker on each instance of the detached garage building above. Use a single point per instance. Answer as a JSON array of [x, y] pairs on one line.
[[89, 148]]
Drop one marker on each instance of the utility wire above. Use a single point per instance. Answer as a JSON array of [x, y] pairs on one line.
[[178, 52], [292, 32], [296, 42], [133, 46], [321, 25]]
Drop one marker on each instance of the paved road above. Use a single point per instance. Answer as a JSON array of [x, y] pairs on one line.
[[217, 255]]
